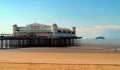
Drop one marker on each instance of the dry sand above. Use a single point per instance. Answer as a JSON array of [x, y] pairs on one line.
[[70, 58]]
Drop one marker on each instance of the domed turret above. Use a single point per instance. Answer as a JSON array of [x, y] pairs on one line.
[[74, 29], [14, 27], [54, 29], [54, 26]]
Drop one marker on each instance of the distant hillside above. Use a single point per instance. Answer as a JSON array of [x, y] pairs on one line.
[[100, 37]]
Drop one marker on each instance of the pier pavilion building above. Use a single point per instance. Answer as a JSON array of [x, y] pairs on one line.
[[39, 35], [40, 30]]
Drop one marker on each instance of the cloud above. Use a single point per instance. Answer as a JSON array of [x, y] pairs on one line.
[[100, 30], [108, 27]]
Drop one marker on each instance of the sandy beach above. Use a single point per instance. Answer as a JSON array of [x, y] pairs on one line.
[[66, 58]]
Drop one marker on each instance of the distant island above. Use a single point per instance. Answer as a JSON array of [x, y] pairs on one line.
[[100, 37]]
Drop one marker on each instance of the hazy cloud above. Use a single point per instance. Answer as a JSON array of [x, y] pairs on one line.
[[105, 30]]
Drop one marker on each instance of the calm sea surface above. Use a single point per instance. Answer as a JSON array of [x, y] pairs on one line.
[[115, 42], [101, 41]]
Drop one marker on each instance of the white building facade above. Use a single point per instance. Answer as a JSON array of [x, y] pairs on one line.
[[40, 30]]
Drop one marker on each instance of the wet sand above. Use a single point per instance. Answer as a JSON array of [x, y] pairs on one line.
[[67, 58], [73, 49]]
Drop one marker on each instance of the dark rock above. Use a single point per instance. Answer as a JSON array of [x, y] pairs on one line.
[[100, 37]]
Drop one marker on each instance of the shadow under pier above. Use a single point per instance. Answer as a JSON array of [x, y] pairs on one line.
[[10, 41]]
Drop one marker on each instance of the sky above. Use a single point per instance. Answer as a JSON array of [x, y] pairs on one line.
[[92, 18]]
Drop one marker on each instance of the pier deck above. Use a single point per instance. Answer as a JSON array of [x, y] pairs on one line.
[[8, 41]]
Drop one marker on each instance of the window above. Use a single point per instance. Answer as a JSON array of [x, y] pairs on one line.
[[64, 31], [59, 31], [69, 32], [34, 27]]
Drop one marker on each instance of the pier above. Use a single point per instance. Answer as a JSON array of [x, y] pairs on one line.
[[9, 41]]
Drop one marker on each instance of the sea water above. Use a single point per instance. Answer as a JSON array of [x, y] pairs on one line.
[[115, 42]]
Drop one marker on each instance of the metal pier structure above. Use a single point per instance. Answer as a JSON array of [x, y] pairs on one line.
[[8, 41]]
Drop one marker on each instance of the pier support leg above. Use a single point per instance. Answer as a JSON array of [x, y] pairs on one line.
[[1, 44]]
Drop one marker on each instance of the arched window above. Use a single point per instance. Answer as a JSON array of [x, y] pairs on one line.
[[59, 31], [73, 32], [69, 32], [64, 31]]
